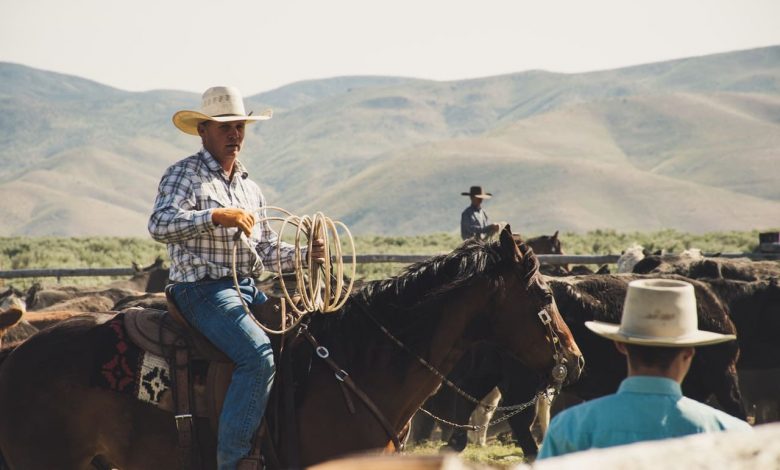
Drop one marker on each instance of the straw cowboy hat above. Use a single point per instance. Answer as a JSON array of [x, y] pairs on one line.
[[476, 191], [220, 104], [658, 312]]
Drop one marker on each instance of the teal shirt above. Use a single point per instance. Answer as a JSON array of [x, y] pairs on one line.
[[643, 409]]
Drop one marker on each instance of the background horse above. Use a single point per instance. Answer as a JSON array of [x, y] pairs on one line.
[[491, 292], [480, 371], [546, 244]]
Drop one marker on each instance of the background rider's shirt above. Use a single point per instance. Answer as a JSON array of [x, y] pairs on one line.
[[188, 193], [473, 223]]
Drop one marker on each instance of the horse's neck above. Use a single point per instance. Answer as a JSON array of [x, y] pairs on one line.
[[442, 332]]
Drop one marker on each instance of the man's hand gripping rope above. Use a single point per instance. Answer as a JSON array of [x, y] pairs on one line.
[[324, 256]]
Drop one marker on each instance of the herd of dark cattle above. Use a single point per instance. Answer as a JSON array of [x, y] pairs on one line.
[[733, 296]]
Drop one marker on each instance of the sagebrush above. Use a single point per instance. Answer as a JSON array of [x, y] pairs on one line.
[[109, 252]]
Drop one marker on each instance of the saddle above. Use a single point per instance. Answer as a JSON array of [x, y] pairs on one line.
[[169, 335], [157, 331]]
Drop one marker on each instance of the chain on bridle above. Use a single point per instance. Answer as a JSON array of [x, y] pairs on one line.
[[558, 373]]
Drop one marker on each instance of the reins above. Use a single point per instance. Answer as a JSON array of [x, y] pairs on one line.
[[558, 373], [317, 296], [345, 380], [510, 410]]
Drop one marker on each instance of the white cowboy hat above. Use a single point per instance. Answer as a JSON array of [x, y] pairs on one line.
[[658, 312], [220, 104]]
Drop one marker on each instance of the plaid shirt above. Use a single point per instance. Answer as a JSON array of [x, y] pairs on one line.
[[188, 193]]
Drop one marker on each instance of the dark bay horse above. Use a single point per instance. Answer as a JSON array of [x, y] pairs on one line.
[[546, 244], [491, 292]]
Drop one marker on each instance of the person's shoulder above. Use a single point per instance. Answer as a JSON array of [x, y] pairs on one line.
[[706, 412], [186, 164], [192, 161], [585, 409]]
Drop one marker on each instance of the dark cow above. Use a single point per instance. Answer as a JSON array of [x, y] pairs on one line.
[[750, 290], [152, 278], [600, 297], [74, 298], [755, 310], [741, 269], [10, 297], [713, 371]]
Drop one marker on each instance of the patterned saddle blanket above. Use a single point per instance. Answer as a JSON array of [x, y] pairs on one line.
[[122, 366], [132, 358], [135, 347]]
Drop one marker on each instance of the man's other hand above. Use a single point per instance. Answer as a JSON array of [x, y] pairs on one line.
[[494, 228], [233, 217], [318, 250]]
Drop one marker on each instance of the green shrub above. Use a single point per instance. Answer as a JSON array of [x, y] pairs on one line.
[[112, 252]]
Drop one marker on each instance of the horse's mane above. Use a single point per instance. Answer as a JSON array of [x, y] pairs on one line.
[[403, 302], [429, 280], [590, 293]]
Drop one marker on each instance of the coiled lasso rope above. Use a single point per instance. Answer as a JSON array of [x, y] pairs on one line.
[[318, 294]]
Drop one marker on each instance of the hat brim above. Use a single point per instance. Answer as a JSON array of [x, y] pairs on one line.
[[480, 196], [697, 338], [187, 121]]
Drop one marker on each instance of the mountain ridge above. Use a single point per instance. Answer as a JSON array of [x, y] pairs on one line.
[[391, 155]]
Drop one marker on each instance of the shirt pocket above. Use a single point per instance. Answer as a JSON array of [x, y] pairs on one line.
[[208, 196]]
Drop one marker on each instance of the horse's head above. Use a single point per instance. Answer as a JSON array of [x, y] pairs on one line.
[[525, 317], [545, 244]]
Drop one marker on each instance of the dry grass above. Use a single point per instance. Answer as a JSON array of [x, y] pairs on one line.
[[494, 455]]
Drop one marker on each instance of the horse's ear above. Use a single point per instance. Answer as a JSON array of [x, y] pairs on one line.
[[508, 245], [10, 317], [555, 235]]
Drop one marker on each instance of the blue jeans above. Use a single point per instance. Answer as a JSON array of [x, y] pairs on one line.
[[214, 308]]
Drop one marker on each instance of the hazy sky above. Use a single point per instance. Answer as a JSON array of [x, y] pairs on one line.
[[259, 45]]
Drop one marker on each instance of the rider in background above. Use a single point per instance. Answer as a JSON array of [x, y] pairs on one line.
[[474, 219]]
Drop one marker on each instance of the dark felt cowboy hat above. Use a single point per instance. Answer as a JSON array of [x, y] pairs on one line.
[[476, 191]]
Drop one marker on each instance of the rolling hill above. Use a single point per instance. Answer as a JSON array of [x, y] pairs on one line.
[[691, 144]]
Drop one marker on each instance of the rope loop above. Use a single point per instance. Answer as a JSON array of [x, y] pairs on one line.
[[315, 291]]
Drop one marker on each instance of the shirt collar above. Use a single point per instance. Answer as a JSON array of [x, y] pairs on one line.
[[650, 385], [213, 165]]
